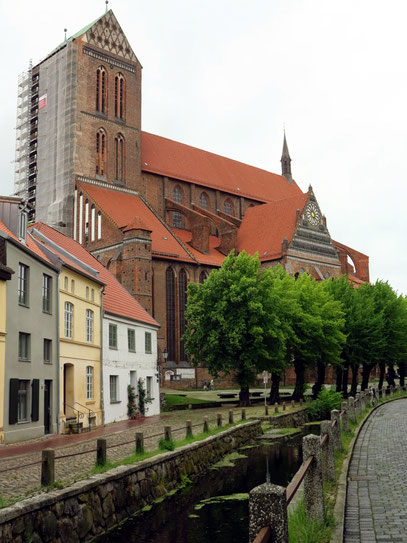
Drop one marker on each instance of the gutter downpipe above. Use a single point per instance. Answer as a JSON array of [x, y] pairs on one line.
[[102, 400], [58, 358]]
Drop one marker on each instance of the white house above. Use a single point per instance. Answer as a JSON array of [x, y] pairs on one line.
[[129, 354]]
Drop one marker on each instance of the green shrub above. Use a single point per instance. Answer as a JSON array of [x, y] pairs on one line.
[[166, 444], [320, 409]]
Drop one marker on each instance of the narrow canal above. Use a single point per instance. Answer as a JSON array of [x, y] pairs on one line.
[[214, 508]]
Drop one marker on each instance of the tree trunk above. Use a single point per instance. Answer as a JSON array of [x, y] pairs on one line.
[[402, 373], [367, 368], [354, 385], [382, 367], [345, 377], [316, 389], [298, 392], [338, 379], [391, 375], [274, 390], [244, 396]]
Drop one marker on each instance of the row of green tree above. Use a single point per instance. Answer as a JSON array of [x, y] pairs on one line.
[[246, 319]]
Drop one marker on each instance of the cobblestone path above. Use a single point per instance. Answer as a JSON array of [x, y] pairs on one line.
[[20, 481], [376, 508]]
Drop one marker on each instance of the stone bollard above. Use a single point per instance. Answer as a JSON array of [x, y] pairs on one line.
[[292, 404], [284, 406], [189, 428], [266, 410], [230, 417], [101, 451], [268, 507], [276, 407], [391, 392], [205, 424], [358, 405], [139, 442], [362, 401], [345, 421], [48, 467], [335, 415], [167, 433], [328, 451], [351, 404], [313, 489], [243, 414], [219, 419]]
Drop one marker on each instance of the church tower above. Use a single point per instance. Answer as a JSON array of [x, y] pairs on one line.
[[286, 162]]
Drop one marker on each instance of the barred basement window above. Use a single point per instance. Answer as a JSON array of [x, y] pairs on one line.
[[119, 96], [170, 303], [101, 88], [119, 157], [182, 285], [101, 152]]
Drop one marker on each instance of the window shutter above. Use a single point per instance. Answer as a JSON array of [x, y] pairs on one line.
[[13, 402], [35, 404]]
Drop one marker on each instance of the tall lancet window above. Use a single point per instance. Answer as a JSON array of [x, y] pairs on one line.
[[119, 96], [101, 152], [101, 89], [182, 284], [170, 303], [119, 157]]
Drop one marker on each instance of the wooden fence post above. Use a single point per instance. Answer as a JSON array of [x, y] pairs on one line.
[[48, 467], [139, 442], [189, 429], [101, 456]]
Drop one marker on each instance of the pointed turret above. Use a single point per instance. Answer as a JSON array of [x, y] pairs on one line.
[[286, 162]]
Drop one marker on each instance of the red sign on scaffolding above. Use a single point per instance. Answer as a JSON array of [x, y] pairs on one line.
[[42, 102]]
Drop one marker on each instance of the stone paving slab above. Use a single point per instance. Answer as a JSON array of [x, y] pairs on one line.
[[376, 505]]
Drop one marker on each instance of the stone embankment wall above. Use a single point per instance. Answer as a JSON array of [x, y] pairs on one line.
[[290, 420], [90, 507]]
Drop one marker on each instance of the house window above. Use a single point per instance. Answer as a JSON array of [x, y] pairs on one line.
[[22, 233], [89, 325], [101, 152], [119, 157], [89, 382], [114, 388], [170, 311], [112, 336], [149, 384], [87, 293], [22, 401], [47, 351], [72, 286], [203, 200], [23, 272], [66, 283], [182, 284], [92, 295], [228, 207], [24, 341], [131, 339], [101, 88], [119, 96], [148, 343], [68, 320], [46, 293]]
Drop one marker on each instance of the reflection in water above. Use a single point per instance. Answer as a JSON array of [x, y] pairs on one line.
[[176, 521]]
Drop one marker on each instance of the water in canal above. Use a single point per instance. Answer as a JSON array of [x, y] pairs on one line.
[[177, 520]]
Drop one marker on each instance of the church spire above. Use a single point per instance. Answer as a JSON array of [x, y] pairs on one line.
[[286, 162]]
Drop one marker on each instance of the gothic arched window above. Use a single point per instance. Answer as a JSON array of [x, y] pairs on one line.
[[228, 207], [119, 157], [101, 152], [203, 200], [182, 287], [101, 89], [203, 277], [170, 303], [176, 216], [119, 96], [177, 195]]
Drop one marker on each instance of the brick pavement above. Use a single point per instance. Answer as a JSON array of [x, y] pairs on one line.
[[376, 506], [21, 481]]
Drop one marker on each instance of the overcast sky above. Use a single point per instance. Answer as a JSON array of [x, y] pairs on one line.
[[226, 75]]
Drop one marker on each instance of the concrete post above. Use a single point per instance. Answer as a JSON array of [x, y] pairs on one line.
[[313, 489], [101, 451], [189, 429], [243, 414], [219, 419], [276, 407], [351, 403], [266, 410], [362, 401], [345, 421], [167, 433], [335, 415], [230, 417], [48, 467], [268, 507], [328, 452], [205, 424], [391, 392], [139, 442], [358, 405], [284, 406]]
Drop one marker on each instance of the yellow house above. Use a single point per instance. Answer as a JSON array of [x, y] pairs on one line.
[[5, 275], [80, 349]]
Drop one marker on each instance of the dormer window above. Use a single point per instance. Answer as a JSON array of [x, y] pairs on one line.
[[22, 226]]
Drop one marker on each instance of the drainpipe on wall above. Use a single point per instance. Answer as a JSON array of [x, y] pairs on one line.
[[58, 359], [102, 401]]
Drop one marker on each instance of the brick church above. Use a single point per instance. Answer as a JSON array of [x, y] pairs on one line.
[[156, 212]]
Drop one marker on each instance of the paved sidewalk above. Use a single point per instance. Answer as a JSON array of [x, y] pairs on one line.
[[19, 480], [376, 508]]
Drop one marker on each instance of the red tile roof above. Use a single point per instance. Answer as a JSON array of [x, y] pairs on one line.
[[177, 160], [214, 258], [117, 299], [124, 209], [30, 244], [264, 227]]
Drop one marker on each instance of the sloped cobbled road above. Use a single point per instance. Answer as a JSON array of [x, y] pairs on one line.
[[376, 507]]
